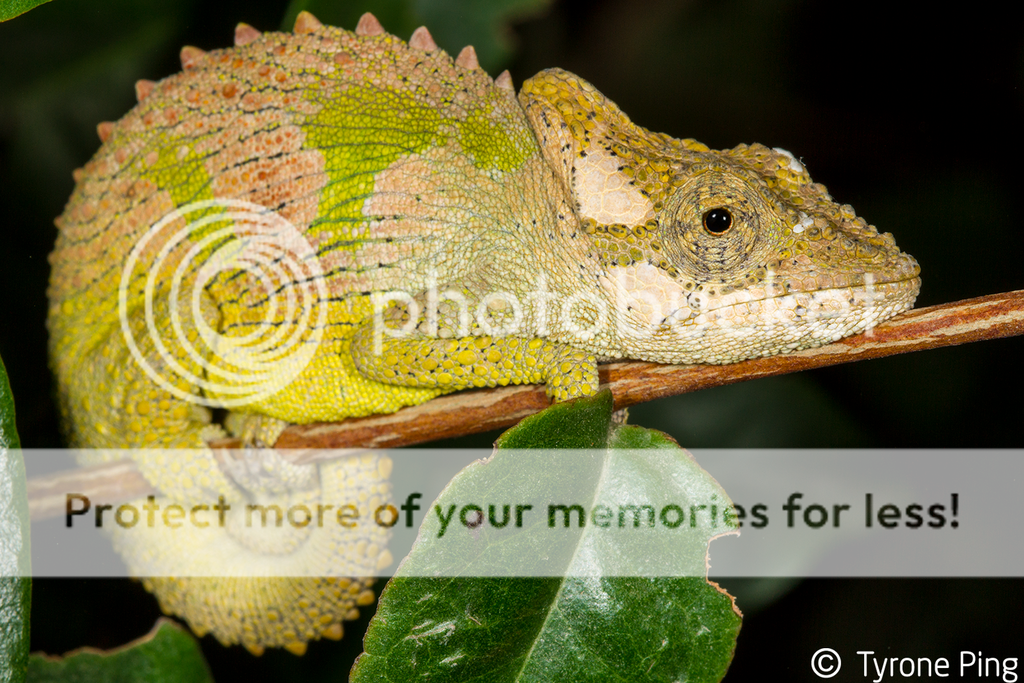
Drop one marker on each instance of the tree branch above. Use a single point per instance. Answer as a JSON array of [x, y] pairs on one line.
[[470, 412]]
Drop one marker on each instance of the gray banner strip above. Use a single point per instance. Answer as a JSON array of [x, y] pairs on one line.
[[799, 513]]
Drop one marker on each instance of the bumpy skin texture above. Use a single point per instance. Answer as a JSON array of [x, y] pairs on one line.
[[407, 170]]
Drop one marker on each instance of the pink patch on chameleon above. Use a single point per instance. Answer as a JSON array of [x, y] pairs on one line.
[[291, 185], [135, 204], [233, 127], [246, 147]]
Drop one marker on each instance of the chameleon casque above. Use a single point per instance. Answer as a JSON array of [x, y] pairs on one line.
[[401, 169]]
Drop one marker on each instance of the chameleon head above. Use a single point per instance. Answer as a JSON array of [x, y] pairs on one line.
[[711, 256]]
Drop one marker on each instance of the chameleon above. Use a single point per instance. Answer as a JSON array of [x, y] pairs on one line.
[[442, 232]]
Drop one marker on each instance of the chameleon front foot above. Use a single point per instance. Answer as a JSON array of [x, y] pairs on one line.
[[255, 430], [468, 362]]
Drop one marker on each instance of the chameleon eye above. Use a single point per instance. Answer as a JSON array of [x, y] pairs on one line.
[[717, 221]]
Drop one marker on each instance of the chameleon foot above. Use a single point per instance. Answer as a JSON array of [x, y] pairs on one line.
[[468, 362]]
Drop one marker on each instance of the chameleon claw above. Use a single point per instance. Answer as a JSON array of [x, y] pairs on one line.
[[245, 34], [422, 40], [369, 26], [191, 56], [306, 23], [467, 58], [143, 89], [104, 130]]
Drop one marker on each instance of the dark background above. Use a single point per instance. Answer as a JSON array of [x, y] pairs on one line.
[[913, 117]]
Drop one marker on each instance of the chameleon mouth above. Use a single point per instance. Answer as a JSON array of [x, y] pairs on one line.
[[898, 280], [799, 306], [747, 327], [659, 321]]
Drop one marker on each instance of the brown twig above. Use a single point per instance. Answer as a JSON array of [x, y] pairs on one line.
[[469, 412]]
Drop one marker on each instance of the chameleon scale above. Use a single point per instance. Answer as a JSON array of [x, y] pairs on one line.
[[405, 169]]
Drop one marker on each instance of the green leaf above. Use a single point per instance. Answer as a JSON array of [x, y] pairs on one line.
[[12, 8], [8, 432], [595, 623], [583, 423], [167, 654], [15, 591], [484, 24]]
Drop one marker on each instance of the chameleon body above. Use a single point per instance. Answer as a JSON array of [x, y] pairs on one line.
[[528, 236]]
